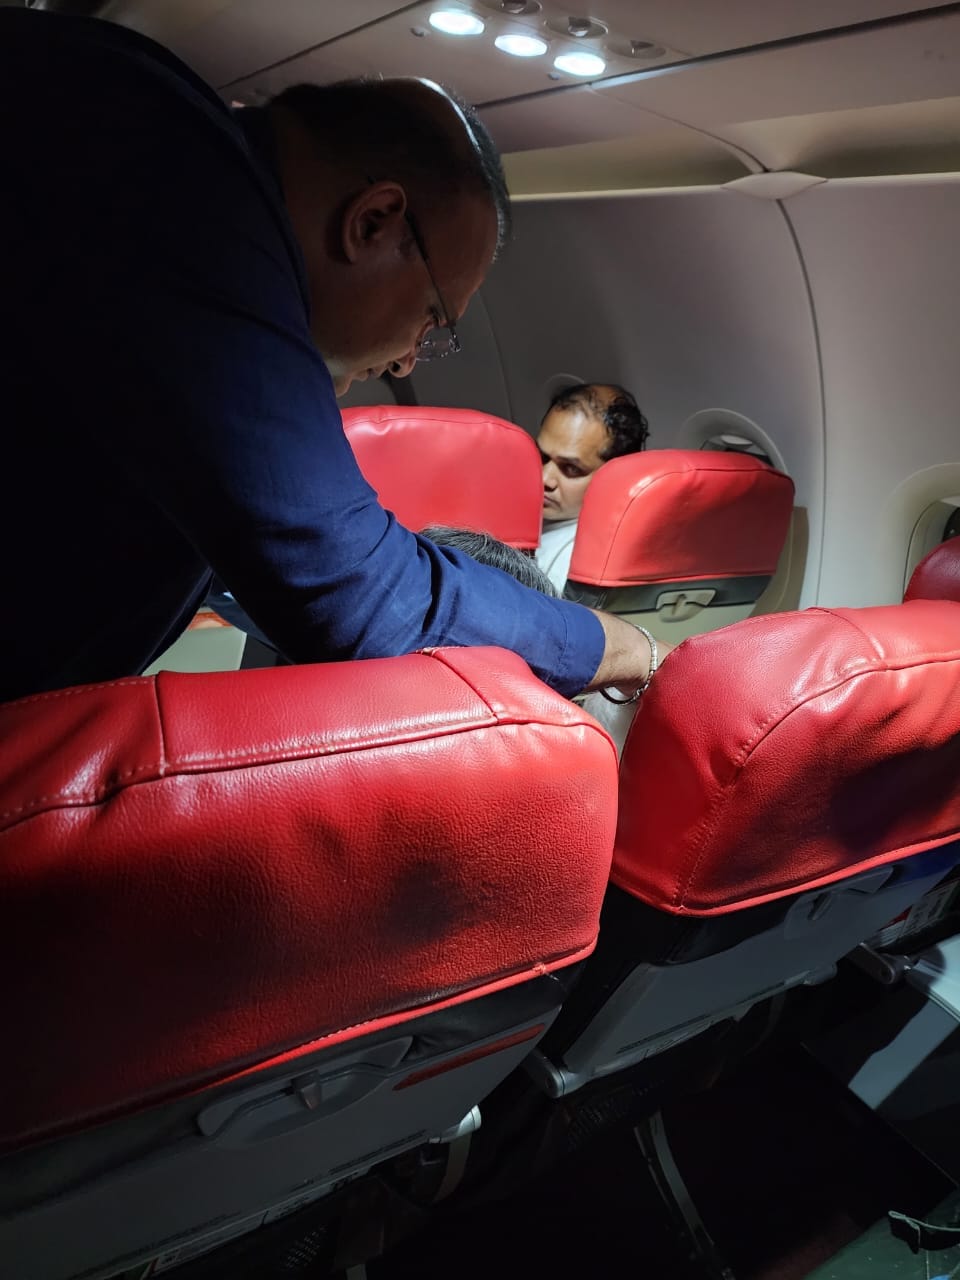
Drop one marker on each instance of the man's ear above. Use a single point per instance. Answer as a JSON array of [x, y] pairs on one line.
[[373, 219]]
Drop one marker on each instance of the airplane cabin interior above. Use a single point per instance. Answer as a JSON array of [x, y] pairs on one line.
[[402, 969]]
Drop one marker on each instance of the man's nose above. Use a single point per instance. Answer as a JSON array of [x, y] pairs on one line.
[[403, 367], [549, 476]]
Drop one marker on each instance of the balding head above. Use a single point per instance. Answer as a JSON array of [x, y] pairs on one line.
[[614, 407], [408, 129], [605, 393], [585, 426], [397, 198]]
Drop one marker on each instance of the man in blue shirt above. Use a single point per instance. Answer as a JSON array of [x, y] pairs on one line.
[[185, 292]]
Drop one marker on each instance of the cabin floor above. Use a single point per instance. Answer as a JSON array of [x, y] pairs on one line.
[[793, 1177]]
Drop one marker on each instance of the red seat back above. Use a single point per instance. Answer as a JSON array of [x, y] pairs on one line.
[[790, 784], [937, 576], [200, 874], [677, 515], [792, 751], [455, 467]]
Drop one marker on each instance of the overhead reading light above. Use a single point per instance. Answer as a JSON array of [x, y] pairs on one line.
[[580, 28], [580, 64], [516, 8], [455, 22], [641, 50], [522, 46], [646, 49]]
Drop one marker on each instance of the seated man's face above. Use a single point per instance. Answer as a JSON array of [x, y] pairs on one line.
[[570, 444]]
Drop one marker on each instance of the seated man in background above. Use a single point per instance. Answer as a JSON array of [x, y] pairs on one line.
[[584, 427], [615, 716]]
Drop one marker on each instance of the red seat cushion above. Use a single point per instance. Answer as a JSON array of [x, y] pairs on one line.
[[791, 751], [680, 515], [937, 576], [451, 466], [200, 871]]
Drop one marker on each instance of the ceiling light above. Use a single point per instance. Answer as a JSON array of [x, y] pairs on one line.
[[521, 46], [580, 64], [515, 8], [642, 50], [455, 22], [579, 28]]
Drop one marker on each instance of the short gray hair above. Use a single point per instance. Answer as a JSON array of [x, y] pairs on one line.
[[491, 551]]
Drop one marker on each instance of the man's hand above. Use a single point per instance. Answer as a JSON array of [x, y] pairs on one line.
[[625, 664]]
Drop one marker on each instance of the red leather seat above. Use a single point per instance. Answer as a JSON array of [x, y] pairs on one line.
[[451, 466], [429, 466], [262, 929], [681, 540], [937, 576], [789, 784]]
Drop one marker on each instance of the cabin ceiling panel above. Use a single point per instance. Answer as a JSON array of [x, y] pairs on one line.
[[224, 40], [232, 40], [912, 63], [706, 26], [403, 43], [792, 104]]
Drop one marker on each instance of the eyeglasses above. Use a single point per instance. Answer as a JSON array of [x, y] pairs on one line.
[[435, 345]]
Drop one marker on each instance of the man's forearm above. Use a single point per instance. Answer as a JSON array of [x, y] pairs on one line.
[[626, 656]]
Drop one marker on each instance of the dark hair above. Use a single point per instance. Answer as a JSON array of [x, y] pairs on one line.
[[393, 129], [490, 551], [617, 410]]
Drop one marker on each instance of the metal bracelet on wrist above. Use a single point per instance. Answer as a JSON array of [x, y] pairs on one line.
[[654, 663]]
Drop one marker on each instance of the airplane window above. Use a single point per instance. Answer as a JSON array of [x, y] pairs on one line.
[[935, 524]]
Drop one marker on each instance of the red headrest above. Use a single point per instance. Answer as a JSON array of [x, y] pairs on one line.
[[937, 576], [200, 871], [790, 751], [677, 515], [451, 466]]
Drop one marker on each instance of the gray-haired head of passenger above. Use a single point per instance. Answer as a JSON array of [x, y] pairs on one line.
[[488, 550]]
